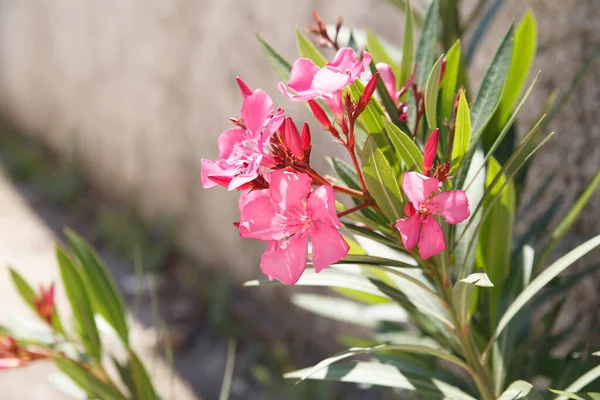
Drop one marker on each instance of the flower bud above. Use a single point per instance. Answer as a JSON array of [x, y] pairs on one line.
[[244, 89], [367, 94], [430, 151]]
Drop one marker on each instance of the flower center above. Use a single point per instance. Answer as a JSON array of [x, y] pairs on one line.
[[295, 221]]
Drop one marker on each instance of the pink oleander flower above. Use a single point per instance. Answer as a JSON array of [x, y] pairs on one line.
[[327, 83], [13, 355], [419, 225], [245, 148], [287, 215], [389, 80]]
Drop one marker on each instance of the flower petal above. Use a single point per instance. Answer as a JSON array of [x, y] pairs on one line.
[[229, 140], [432, 240], [453, 205], [328, 245], [345, 59], [288, 189], [419, 187], [389, 80], [321, 204], [409, 230], [302, 74], [256, 110], [287, 261], [328, 81], [257, 217]]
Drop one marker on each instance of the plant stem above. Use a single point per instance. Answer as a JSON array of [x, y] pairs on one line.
[[321, 180], [470, 352], [350, 147], [354, 209]]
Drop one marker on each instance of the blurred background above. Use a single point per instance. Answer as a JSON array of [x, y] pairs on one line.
[[107, 107]]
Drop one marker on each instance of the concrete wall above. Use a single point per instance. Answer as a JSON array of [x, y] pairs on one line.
[[140, 90]]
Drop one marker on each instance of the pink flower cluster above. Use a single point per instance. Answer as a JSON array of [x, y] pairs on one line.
[[287, 204]]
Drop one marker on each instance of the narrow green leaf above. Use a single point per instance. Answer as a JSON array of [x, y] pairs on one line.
[[563, 227], [381, 180], [520, 390], [408, 49], [308, 50], [25, 290], [372, 260], [103, 291], [388, 102], [576, 396], [425, 56], [280, 65], [478, 278], [228, 374], [492, 86], [380, 54], [540, 281], [374, 373], [407, 149], [141, 379], [87, 381], [524, 51], [329, 277], [462, 132], [432, 90], [582, 382], [453, 62], [80, 302]]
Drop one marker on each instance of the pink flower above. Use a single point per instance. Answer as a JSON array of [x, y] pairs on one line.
[[389, 79], [245, 148], [420, 225], [286, 215], [310, 82]]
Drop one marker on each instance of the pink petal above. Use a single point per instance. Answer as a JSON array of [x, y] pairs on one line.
[[387, 75], [257, 217], [419, 187], [328, 245], [361, 67], [288, 189], [288, 261], [344, 60], [432, 240], [453, 205], [291, 137], [301, 96], [329, 81], [249, 174], [302, 74], [229, 140], [256, 110], [8, 363], [208, 168], [409, 230], [272, 126], [244, 89], [321, 204]]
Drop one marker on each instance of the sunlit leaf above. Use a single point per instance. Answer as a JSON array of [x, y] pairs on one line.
[[432, 90], [520, 390], [87, 381], [453, 61], [409, 152], [462, 132], [425, 56], [280, 65], [408, 48], [308, 50]]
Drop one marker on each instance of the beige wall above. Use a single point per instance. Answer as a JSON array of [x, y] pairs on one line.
[[140, 90]]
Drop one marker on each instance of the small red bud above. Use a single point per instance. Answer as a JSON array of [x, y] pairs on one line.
[[319, 113], [367, 94], [430, 151], [306, 137], [244, 89]]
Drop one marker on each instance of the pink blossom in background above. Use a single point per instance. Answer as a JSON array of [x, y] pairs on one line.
[[389, 79], [245, 148], [327, 83], [287, 215], [419, 225]]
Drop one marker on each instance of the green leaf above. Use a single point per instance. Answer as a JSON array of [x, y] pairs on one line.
[[388, 103], [381, 180], [462, 132], [576, 396], [520, 390], [432, 90], [453, 62], [408, 49], [103, 291], [521, 62], [492, 86], [140, 377], [80, 302], [329, 277], [25, 290], [542, 280], [464, 295], [407, 149], [374, 373], [308, 50], [344, 310], [380, 54], [563, 227], [280, 65], [582, 382], [478, 278], [372, 260], [87, 381], [409, 348], [427, 43]]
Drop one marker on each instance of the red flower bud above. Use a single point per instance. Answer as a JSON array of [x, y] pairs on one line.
[[430, 151], [44, 303], [367, 94], [244, 89], [319, 113], [306, 138]]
